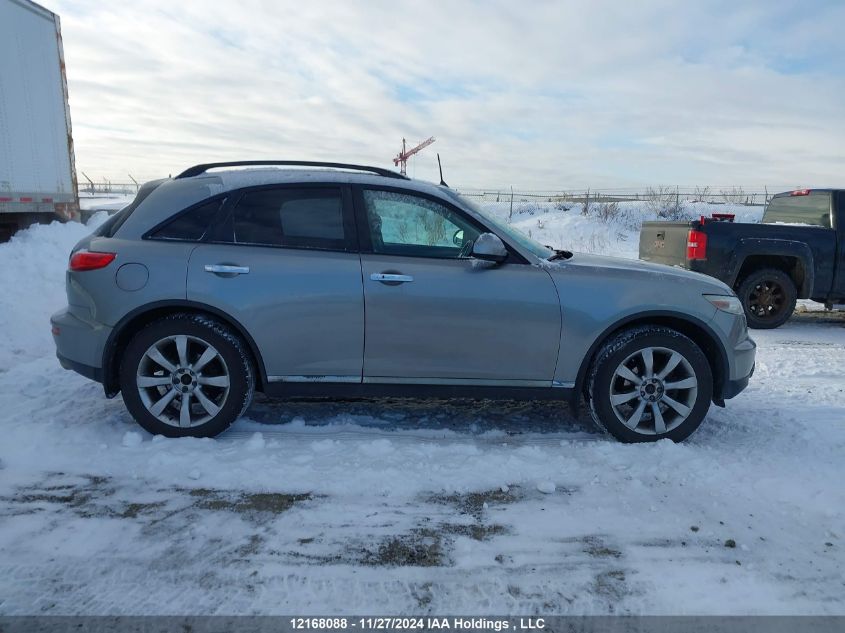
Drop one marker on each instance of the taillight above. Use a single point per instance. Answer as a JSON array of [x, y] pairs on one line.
[[800, 192], [86, 260], [696, 245]]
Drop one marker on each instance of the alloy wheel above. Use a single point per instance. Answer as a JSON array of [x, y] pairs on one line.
[[654, 390], [183, 380]]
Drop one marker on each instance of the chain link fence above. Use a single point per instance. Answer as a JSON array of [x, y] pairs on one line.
[[710, 195]]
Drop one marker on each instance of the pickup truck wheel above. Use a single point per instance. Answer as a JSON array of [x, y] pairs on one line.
[[186, 375], [768, 297], [649, 383]]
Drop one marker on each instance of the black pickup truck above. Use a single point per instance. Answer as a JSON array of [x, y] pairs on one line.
[[798, 252]]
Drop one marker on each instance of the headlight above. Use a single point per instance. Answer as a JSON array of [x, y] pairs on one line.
[[725, 303]]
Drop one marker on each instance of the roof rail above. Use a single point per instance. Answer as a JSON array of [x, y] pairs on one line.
[[196, 170]]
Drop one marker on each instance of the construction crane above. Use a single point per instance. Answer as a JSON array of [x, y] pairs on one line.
[[402, 158]]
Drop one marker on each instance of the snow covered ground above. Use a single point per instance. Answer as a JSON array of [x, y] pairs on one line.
[[104, 201], [563, 224], [414, 507]]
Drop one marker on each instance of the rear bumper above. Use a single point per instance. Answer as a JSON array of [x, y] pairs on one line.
[[79, 343], [92, 373]]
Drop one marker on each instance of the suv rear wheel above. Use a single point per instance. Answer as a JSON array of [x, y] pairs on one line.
[[768, 297], [186, 375], [649, 383]]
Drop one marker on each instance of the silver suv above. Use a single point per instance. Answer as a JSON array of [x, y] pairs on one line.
[[334, 280]]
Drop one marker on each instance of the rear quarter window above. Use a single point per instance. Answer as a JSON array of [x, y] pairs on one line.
[[191, 225], [813, 209]]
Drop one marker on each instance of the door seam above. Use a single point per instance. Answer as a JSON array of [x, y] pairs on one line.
[[560, 323], [364, 322], [188, 268]]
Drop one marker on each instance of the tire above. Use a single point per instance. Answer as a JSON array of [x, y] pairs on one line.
[[613, 398], [186, 358], [768, 297]]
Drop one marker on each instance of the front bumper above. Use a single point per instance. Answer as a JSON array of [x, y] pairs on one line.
[[79, 343], [744, 357], [733, 388], [740, 351], [744, 354]]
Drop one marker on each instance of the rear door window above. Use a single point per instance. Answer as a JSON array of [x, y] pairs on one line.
[[295, 218], [813, 208]]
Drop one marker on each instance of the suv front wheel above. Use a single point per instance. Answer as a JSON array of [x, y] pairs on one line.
[[186, 375], [649, 383]]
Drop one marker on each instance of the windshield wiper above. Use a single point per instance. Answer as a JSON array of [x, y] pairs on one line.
[[559, 254]]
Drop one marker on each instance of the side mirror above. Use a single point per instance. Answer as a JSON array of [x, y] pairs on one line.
[[458, 238], [489, 248]]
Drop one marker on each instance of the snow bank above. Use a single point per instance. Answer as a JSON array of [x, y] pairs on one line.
[[114, 202], [32, 278], [563, 225]]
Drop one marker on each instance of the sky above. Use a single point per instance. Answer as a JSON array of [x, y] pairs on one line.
[[531, 94]]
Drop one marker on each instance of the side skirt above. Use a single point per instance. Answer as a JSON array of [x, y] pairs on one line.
[[380, 390]]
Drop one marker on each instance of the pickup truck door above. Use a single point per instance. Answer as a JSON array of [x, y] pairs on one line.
[[434, 315]]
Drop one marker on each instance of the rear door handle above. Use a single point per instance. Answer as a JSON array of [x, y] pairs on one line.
[[226, 269], [391, 278]]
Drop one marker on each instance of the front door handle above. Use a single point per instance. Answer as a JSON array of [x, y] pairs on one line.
[[391, 278], [226, 269]]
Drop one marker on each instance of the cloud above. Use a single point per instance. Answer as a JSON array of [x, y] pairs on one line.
[[543, 95]]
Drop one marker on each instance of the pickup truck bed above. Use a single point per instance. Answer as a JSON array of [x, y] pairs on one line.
[[797, 252]]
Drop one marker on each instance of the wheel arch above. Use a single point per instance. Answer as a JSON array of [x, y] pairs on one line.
[[700, 333], [133, 321], [791, 257]]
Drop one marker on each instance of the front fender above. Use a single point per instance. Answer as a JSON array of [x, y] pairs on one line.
[[701, 332]]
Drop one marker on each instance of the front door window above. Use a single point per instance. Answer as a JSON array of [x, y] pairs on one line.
[[404, 224]]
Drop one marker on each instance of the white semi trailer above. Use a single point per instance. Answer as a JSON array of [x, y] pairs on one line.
[[37, 171]]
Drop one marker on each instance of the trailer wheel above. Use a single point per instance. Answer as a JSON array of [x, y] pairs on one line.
[[768, 297]]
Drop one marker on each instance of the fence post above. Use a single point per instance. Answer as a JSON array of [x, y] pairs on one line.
[[510, 213]]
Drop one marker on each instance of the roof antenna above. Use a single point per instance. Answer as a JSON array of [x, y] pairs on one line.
[[441, 171]]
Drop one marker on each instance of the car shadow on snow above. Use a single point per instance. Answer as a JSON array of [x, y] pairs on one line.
[[463, 416]]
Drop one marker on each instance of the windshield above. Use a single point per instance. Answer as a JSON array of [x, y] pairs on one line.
[[535, 248]]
